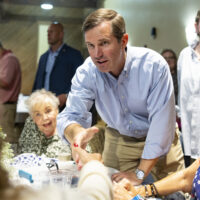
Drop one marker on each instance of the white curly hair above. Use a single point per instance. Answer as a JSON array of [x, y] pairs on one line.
[[41, 96]]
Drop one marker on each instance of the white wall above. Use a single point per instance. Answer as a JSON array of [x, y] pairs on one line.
[[170, 17], [42, 39]]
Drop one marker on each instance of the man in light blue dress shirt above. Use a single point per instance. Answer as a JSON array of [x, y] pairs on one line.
[[133, 93]]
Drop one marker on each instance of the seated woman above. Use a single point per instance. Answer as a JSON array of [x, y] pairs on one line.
[[184, 180], [39, 135]]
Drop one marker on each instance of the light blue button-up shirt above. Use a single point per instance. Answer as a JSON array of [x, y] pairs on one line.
[[140, 102], [49, 66]]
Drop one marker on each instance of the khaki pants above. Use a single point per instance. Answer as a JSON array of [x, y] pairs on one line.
[[124, 153], [97, 142], [7, 122]]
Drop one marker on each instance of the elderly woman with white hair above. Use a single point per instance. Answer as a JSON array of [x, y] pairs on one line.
[[39, 135]]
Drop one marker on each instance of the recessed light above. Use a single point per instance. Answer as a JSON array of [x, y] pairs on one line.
[[46, 6]]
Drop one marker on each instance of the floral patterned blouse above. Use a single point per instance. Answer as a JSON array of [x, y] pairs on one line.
[[32, 140], [196, 186]]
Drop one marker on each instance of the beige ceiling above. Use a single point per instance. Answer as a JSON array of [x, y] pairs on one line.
[[73, 11]]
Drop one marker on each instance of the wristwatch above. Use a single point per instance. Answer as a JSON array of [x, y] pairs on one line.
[[139, 173]]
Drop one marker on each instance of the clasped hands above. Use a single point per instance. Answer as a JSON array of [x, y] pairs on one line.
[[79, 154], [122, 182]]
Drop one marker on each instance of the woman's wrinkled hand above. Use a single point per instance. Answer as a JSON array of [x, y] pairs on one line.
[[123, 190], [131, 176]]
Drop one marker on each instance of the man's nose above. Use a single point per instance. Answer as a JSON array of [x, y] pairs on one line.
[[98, 52]]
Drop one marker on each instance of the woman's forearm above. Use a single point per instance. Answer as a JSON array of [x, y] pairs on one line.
[[178, 181]]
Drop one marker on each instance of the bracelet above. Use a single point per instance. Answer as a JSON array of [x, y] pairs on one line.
[[75, 145], [157, 194], [146, 191], [154, 190]]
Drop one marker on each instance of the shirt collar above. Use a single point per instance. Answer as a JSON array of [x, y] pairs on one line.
[[57, 51], [126, 68], [193, 54], [127, 65]]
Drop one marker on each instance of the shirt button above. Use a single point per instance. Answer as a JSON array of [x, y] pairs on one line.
[[122, 97], [130, 122], [125, 109]]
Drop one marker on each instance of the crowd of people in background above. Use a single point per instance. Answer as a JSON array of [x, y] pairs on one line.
[[134, 90]]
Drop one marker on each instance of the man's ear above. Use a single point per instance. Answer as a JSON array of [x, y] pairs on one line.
[[196, 29], [196, 25], [62, 35], [124, 40]]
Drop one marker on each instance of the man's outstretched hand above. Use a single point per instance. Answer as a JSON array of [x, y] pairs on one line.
[[84, 137]]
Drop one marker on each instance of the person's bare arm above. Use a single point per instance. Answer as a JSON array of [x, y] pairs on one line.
[[72, 132], [178, 181], [146, 165], [181, 180]]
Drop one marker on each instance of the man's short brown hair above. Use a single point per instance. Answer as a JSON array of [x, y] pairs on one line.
[[101, 15]]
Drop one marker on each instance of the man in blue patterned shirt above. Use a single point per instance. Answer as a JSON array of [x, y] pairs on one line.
[[133, 93]]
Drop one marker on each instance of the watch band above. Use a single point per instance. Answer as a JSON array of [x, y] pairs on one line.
[[140, 174]]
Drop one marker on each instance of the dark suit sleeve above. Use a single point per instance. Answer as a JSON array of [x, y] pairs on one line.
[[35, 82], [78, 61], [75, 61]]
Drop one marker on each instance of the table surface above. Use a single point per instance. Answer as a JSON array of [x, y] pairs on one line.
[[36, 166]]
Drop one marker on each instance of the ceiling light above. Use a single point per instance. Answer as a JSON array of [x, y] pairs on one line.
[[46, 6]]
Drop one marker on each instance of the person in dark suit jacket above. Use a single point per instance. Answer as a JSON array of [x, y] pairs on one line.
[[57, 66]]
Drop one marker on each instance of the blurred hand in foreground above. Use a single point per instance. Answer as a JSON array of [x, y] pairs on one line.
[[83, 156], [124, 190], [131, 176]]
